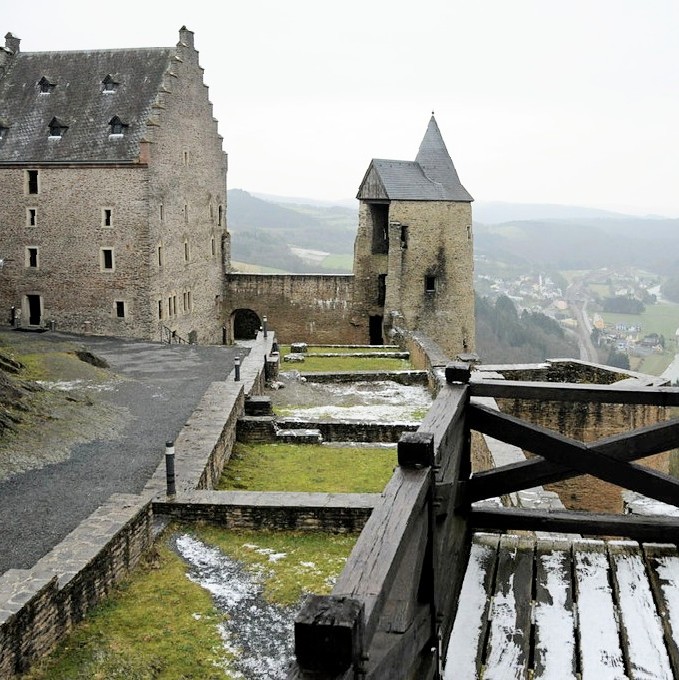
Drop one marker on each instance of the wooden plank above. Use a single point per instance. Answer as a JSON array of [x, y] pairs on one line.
[[394, 655], [544, 391], [598, 640], [663, 570], [375, 561], [508, 651], [554, 646], [570, 453], [465, 648], [445, 420], [640, 627], [646, 529], [402, 601], [537, 471]]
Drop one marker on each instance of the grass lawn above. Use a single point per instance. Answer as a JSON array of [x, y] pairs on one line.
[[308, 467], [654, 364], [312, 364], [345, 262], [159, 625], [661, 318]]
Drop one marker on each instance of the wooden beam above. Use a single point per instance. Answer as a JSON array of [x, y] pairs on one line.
[[544, 391], [329, 634], [374, 563], [655, 528], [568, 453], [537, 471]]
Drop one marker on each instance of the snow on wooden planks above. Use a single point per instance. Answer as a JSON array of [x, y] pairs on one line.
[[555, 609]]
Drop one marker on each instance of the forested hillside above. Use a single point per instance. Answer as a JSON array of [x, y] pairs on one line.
[[265, 233], [504, 336]]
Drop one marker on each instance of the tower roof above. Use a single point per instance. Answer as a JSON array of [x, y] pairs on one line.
[[430, 177]]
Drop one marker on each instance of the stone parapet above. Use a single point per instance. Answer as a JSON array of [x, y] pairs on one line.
[[252, 510]]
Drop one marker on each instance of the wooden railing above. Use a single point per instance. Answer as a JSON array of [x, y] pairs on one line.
[[392, 609]]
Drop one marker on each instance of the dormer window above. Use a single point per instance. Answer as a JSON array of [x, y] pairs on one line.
[[117, 126], [109, 84], [45, 85], [57, 128]]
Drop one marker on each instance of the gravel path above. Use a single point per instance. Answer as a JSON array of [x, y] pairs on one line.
[[123, 416]]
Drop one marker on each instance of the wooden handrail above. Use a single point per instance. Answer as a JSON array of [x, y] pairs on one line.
[[392, 608]]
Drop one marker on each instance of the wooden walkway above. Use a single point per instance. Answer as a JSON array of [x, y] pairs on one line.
[[558, 609]]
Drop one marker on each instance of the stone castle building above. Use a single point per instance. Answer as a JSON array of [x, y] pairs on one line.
[[113, 201], [113, 216]]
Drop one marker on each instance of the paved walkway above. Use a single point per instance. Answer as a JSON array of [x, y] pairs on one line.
[[162, 385]]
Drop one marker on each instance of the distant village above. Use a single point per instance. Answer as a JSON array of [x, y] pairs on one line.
[[594, 291]]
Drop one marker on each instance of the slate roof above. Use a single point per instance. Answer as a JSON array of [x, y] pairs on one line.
[[430, 177], [78, 101]]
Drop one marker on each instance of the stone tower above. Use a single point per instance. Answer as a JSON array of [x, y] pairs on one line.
[[413, 256]]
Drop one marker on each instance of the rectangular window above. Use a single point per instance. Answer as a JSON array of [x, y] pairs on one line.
[[120, 309], [106, 217], [32, 257], [404, 237], [186, 213], [161, 212], [160, 309], [32, 181], [186, 251], [174, 305], [212, 246], [188, 299], [160, 256], [107, 262], [429, 284], [220, 216], [381, 289], [31, 217], [169, 306]]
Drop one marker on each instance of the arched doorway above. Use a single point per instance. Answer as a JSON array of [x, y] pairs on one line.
[[245, 324]]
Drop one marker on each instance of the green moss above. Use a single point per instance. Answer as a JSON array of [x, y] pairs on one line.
[[157, 624], [308, 467]]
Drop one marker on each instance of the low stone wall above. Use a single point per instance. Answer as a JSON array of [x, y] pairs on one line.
[[39, 606], [380, 433], [401, 377], [340, 513]]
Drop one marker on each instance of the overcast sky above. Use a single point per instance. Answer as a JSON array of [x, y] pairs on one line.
[[541, 101]]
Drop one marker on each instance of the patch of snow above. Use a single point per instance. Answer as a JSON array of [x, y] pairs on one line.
[[363, 401], [555, 625], [257, 633]]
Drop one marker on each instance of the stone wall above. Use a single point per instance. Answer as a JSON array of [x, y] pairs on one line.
[[40, 606], [301, 307], [186, 204], [586, 422], [251, 510]]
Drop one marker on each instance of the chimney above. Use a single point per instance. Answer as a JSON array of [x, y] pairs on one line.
[[12, 43], [186, 37]]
